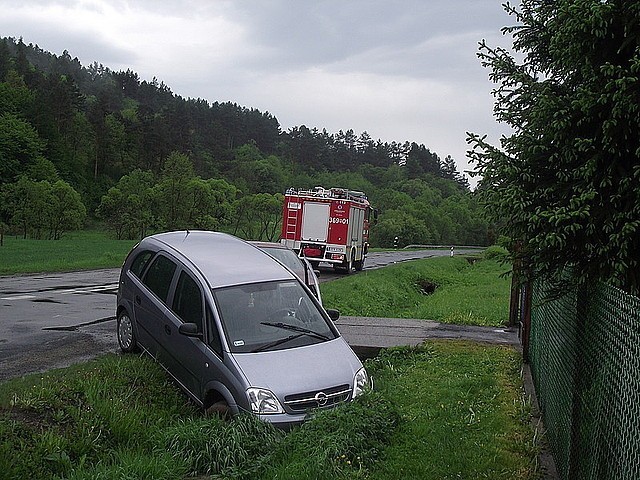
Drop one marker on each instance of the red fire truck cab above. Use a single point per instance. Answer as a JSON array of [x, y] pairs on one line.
[[327, 225]]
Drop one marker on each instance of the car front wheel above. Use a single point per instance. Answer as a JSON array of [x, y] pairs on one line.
[[126, 336]]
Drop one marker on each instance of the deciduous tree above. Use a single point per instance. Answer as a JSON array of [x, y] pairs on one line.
[[127, 207], [65, 210]]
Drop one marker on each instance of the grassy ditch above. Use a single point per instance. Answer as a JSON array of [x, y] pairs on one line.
[[450, 290], [445, 410], [83, 250]]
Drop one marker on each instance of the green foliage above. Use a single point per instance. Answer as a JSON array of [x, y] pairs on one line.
[[69, 419], [15, 96], [65, 211], [91, 127], [36, 207], [465, 293], [258, 216], [338, 443], [179, 200], [408, 229], [213, 446], [566, 182], [127, 207], [496, 252], [20, 146]]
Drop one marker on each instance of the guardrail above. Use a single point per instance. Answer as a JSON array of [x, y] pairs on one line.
[[445, 246]]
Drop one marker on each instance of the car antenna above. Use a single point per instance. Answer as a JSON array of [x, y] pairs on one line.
[[186, 235]]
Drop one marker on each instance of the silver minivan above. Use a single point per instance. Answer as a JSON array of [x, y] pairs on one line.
[[235, 329]]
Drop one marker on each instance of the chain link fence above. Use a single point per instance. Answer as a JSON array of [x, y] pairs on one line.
[[584, 352]]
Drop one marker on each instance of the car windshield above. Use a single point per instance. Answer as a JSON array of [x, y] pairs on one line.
[[270, 316]]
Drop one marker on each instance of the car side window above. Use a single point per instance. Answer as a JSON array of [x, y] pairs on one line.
[[159, 275], [187, 301], [141, 261]]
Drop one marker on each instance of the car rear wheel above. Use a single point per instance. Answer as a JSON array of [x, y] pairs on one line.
[[126, 336]]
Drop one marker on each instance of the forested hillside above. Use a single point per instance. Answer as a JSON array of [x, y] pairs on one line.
[[87, 142]]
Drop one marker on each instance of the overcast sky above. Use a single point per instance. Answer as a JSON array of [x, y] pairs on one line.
[[399, 70]]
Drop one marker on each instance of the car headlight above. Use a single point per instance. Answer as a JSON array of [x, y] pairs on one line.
[[263, 401], [360, 382]]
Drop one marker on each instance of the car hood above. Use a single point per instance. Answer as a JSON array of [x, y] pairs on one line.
[[301, 369]]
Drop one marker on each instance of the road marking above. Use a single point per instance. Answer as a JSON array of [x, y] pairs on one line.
[[18, 297], [92, 289]]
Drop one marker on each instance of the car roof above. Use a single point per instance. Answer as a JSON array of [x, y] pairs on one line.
[[221, 258]]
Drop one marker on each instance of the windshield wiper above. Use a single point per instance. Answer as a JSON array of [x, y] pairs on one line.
[[294, 328], [267, 346]]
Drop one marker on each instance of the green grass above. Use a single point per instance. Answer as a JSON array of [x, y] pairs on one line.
[[81, 250], [465, 293], [463, 412], [445, 410]]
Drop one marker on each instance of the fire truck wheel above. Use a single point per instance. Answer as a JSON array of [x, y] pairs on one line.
[[349, 266], [359, 265]]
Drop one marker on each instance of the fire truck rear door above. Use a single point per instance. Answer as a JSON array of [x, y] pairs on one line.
[[355, 225], [315, 221]]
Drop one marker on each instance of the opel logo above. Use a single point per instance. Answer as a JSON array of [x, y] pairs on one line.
[[321, 398]]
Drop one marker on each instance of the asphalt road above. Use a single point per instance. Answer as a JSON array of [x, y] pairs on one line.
[[54, 320]]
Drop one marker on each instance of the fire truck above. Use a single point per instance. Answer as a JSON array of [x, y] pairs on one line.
[[327, 225]]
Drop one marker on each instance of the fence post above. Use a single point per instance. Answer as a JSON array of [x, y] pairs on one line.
[[525, 329], [514, 302], [580, 382]]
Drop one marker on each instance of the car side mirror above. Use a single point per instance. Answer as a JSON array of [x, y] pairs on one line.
[[190, 330], [334, 314]]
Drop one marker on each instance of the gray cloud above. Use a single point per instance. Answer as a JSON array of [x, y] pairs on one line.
[[401, 70], [299, 34]]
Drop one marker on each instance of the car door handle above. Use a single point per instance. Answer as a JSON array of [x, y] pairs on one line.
[[138, 301], [167, 330]]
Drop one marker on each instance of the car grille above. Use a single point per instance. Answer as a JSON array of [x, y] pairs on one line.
[[325, 398]]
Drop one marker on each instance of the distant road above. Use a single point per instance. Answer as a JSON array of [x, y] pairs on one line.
[[53, 320]]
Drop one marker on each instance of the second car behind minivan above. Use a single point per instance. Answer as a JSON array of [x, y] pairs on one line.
[[236, 329]]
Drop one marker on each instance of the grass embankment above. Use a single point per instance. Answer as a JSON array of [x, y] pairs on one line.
[[81, 250], [445, 410], [445, 289]]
